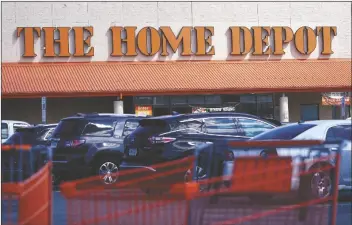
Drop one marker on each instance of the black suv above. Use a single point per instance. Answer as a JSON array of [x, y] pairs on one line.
[[90, 144], [164, 138]]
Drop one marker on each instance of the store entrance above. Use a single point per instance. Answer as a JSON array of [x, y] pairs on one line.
[[161, 111], [182, 110]]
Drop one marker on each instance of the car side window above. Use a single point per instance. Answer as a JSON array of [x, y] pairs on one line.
[[129, 127], [188, 127], [46, 134], [339, 133], [99, 128], [220, 126], [252, 127], [119, 128], [4, 131]]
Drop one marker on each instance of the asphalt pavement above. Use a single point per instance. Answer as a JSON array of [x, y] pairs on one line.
[[97, 210]]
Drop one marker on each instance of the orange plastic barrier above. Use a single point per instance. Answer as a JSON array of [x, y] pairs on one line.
[[260, 193], [16, 147], [253, 174], [33, 197]]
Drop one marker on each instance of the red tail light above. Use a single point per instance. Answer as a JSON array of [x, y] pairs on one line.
[[161, 140], [74, 143], [229, 156]]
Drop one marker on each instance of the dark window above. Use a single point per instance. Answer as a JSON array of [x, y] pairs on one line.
[[286, 132], [69, 128], [336, 112], [160, 111], [100, 128], [181, 110], [252, 127], [130, 126], [178, 100], [220, 126], [233, 99], [248, 104], [161, 100], [265, 106], [213, 100], [4, 131], [309, 112], [196, 100], [192, 126], [143, 100], [339, 133]]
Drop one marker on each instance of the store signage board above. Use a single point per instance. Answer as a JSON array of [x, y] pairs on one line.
[[326, 100], [163, 41], [144, 110], [204, 110]]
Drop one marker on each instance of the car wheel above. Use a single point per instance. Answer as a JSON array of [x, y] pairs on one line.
[[268, 153], [201, 175], [108, 170], [320, 184]]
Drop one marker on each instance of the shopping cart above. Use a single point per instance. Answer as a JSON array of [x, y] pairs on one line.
[[271, 190]]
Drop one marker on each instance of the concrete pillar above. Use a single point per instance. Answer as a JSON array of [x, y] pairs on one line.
[[284, 114], [118, 107]]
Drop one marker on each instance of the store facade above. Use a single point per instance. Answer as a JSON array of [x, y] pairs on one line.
[[274, 60]]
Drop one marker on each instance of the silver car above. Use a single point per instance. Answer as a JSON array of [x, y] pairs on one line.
[[324, 130]]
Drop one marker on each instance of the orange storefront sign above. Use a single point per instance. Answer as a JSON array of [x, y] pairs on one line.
[[150, 41], [144, 110], [335, 101]]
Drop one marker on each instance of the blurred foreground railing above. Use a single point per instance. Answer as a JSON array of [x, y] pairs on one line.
[[276, 189], [26, 187]]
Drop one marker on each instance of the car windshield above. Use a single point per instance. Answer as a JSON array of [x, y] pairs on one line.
[[287, 132]]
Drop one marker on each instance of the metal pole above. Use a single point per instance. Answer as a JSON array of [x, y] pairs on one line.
[[44, 110], [343, 106], [350, 101], [335, 186]]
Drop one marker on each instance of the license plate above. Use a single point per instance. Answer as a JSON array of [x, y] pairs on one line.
[[132, 152], [53, 144]]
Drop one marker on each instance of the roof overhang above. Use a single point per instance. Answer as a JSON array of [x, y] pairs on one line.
[[28, 80]]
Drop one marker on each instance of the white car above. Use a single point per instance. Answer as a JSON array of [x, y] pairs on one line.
[[324, 130], [8, 128]]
